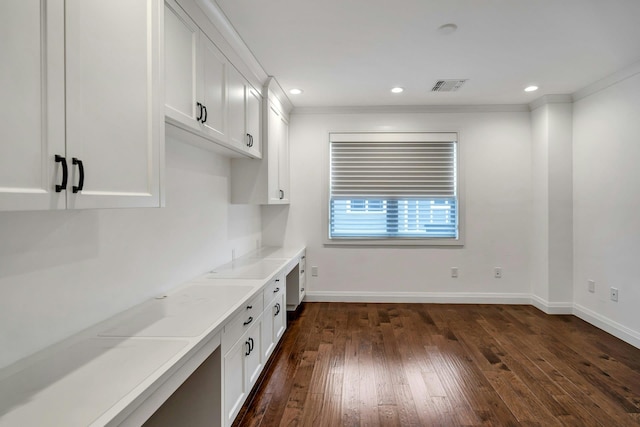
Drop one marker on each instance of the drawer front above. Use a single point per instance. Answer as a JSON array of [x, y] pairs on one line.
[[242, 321], [273, 289]]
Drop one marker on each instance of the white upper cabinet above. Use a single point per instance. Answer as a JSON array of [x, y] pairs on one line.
[[266, 181], [85, 67], [236, 87], [278, 145], [32, 107], [213, 108], [205, 94], [253, 121], [114, 102], [183, 60]]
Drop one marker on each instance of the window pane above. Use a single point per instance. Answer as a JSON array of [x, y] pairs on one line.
[[405, 218]]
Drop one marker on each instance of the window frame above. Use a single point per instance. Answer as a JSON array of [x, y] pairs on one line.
[[447, 242]]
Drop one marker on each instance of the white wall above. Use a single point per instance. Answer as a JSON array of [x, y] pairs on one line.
[[606, 159], [61, 272], [495, 150]]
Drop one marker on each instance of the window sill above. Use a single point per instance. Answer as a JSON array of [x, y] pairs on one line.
[[372, 242]]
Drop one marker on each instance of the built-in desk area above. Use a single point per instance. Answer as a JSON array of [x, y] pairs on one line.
[[193, 352]]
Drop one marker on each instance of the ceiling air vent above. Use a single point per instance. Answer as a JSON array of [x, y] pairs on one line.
[[447, 85]]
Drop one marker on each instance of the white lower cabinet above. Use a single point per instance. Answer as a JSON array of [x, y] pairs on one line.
[[248, 341], [279, 317], [242, 366], [296, 283], [274, 320]]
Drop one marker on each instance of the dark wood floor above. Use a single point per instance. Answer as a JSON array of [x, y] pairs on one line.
[[445, 365]]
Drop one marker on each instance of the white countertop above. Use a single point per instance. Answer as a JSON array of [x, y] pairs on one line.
[[102, 375]]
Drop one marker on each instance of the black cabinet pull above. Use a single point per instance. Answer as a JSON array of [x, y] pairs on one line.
[[276, 290], [281, 194], [204, 119], [303, 256], [65, 173], [250, 345], [80, 185], [199, 111], [251, 141], [248, 140], [301, 290], [249, 307], [249, 320], [248, 352], [277, 309]]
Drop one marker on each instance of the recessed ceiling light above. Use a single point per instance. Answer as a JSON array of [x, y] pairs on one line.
[[530, 88], [397, 90], [447, 29], [295, 91]]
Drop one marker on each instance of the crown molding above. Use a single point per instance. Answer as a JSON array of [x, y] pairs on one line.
[[404, 109], [608, 81], [551, 99], [221, 23], [273, 88]]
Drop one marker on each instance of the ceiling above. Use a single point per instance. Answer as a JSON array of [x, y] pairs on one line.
[[352, 52]]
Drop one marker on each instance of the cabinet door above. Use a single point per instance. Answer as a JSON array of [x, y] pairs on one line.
[[32, 107], [253, 360], [278, 157], [267, 331], [234, 380], [253, 123], [114, 94], [214, 90], [283, 162], [273, 138], [236, 117], [182, 66], [279, 318]]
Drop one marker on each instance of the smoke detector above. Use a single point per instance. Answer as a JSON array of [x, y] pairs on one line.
[[447, 85]]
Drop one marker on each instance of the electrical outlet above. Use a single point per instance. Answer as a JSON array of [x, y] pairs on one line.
[[454, 272], [591, 286], [314, 271], [614, 294], [497, 272]]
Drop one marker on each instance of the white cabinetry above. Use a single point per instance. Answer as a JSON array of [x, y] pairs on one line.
[[253, 103], [274, 317], [205, 94], [267, 181], [82, 100], [242, 366], [196, 91], [296, 283], [242, 349]]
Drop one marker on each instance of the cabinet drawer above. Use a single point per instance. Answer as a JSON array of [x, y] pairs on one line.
[[242, 321], [273, 289]]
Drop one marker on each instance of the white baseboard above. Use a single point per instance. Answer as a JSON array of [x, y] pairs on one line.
[[551, 307], [614, 328], [419, 297], [617, 330]]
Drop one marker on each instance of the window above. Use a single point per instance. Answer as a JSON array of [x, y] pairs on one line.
[[393, 187]]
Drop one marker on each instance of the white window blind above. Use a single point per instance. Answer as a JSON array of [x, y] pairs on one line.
[[393, 185]]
